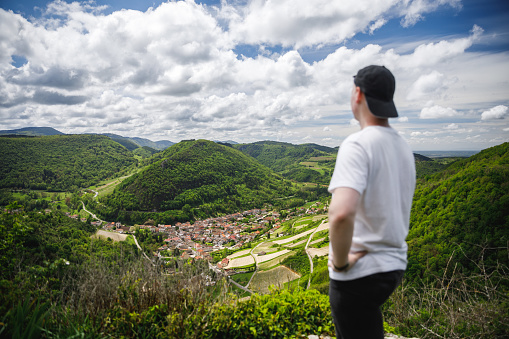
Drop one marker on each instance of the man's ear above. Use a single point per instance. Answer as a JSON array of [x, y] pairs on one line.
[[358, 94]]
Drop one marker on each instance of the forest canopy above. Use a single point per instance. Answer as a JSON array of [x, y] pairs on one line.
[[60, 162]]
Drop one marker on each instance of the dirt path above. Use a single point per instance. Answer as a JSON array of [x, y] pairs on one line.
[[323, 226]]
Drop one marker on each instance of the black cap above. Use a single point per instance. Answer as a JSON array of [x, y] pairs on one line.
[[378, 85]]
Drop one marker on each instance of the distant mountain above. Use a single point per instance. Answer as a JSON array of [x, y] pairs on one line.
[[135, 142], [126, 142], [448, 154], [32, 131], [198, 175], [159, 145], [60, 162], [230, 142]]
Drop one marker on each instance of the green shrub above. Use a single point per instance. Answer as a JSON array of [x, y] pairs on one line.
[[280, 314]]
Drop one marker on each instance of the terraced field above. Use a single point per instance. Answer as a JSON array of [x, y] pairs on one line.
[[267, 257], [239, 254], [295, 237], [277, 276], [239, 262]]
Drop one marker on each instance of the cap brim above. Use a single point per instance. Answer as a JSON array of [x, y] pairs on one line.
[[382, 109]]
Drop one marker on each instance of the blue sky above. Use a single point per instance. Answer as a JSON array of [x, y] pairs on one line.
[[255, 70]]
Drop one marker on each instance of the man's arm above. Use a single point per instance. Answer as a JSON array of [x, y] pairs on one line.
[[342, 210]]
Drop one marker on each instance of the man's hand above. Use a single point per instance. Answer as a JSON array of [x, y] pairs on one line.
[[353, 257]]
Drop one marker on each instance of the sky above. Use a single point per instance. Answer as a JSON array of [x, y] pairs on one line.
[[251, 70]]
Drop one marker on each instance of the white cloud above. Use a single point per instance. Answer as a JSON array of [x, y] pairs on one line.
[[427, 86], [403, 119], [326, 129], [433, 53], [497, 112], [301, 23], [376, 25], [438, 112], [415, 9], [452, 126], [354, 122]]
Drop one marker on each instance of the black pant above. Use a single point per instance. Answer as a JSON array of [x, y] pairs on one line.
[[356, 304]]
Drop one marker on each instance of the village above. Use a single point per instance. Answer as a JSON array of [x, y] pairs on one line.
[[200, 238]]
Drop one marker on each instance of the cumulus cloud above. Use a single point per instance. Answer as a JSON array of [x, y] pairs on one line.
[[173, 72], [55, 76], [301, 23], [428, 86], [438, 112], [497, 112], [433, 53]]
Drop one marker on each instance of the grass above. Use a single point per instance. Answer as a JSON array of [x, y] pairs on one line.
[[276, 276], [242, 278], [274, 262], [314, 166]]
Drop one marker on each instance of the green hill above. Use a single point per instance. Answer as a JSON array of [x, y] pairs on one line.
[[302, 163], [461, 212], [60, 162], [201, 175]]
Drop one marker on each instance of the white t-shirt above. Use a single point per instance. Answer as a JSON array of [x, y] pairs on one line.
[[378, 163]]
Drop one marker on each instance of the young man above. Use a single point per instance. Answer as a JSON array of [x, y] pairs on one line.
[[372, 189]]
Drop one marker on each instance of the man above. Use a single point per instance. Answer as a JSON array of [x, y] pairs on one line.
[[372, 189]]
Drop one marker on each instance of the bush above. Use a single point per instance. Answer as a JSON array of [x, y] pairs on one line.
[[280, 314]]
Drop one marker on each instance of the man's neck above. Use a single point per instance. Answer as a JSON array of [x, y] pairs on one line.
[[370, 120]]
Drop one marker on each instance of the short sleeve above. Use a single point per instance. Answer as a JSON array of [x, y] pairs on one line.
[[351, 168]]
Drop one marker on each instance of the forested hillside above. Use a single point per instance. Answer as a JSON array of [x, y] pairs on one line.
[[60, 162], [461, 212], [196, 177], [303, 163]]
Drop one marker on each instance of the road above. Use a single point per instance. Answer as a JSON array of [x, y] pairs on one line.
[[240, 286], [309, 255], [92, 214], [256, 263]]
